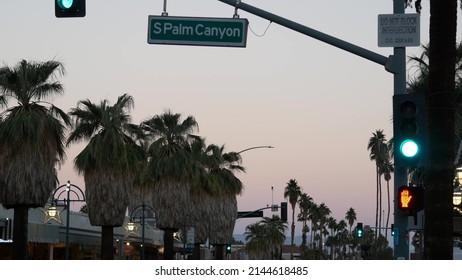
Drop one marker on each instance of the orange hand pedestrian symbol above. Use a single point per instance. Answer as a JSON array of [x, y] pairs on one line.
[[405, 198]]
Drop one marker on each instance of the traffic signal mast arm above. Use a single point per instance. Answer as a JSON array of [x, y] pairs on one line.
[[387, 62], [259, 212]]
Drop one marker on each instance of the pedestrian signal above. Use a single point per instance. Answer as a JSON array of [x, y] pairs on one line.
[[410, 198]]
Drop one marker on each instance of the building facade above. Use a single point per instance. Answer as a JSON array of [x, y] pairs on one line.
[[47, 237]]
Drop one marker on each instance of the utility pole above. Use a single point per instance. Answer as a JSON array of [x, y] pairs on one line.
[[395, 64]]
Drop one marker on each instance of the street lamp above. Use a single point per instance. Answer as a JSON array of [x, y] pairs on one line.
[[63, 194], [256, 147], [134, 215], [189, 231]]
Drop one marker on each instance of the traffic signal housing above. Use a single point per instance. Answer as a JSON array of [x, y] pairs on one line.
[[284, 211], [409, 129], [228, 249], [411, 198], [359, 230], [69, 8]]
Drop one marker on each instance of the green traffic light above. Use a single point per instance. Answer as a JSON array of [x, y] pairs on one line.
[[65, 4], [409, 148]]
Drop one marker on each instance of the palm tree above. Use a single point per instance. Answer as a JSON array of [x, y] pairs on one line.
[[292, 191], [387, 169], [343, 237], [31, 141], [222, 167], [305, 203], [275, 233], [201, 194], [171, 171], [333, 226], [420, 83], [350, 216], [265, 237], [256, 244], [324, 213], [314, 217], [440, 100], [109, 162], [378, 148]]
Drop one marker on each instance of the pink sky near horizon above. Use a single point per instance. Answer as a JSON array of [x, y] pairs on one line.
[[316, 104]]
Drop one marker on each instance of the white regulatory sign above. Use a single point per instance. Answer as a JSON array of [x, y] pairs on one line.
[[399, 30]]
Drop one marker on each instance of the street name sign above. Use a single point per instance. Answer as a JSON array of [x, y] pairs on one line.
[[224, 32], [399, 30]]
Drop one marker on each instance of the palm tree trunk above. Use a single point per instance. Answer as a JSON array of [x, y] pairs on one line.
[[219, 251], [380, 205], [377, 200], [313, 232], [107, 243], [20, 239], [388, 210], [169, 250], [197, 251], [438, 239], [292, 233]]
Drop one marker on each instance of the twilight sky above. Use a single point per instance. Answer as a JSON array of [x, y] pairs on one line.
[[316, 104]]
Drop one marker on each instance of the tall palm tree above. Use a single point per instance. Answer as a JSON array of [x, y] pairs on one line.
[[421, 83], [305, 203], [378, 148], [350, 216], [171, 171], [31, 141], [440, 100], [222, 167], [292, 191], [387, 169], [324, 213], [201, 194], [109, 162], [343, 237], [333, 226], [314, 217]]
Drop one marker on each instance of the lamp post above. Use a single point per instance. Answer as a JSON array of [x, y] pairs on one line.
[[188, 235], [63, 194], [256, 147], [134, 215]]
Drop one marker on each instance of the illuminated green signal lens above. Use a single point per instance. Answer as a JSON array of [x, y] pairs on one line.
[[65, 4], [409, 148]]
